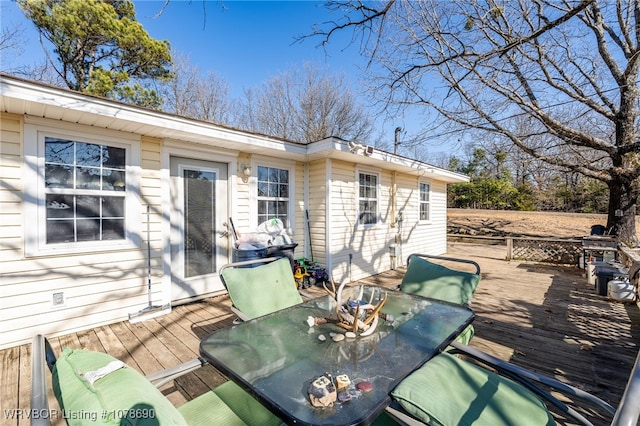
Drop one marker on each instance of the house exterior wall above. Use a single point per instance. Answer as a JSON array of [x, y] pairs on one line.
[[151, 193], [240, 208], [428, 237], [317, 207], [96, 288], [298, 227], [103, 286], [11, 188], [357, 251], [360, 251], [94, 283], [244, 210]]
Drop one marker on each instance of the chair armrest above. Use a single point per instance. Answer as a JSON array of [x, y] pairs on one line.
[[524, 377], [451, 259], [245, 263], [39, 396], [161, 377]]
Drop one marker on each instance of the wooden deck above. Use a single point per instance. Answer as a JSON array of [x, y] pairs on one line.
[[543, 317]]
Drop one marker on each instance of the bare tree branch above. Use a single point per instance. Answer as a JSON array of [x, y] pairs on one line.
[[570, 67]]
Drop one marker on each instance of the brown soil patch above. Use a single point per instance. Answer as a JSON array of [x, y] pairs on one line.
[[526, 224]]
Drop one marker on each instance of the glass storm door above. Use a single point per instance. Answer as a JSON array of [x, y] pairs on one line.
[[199, 236]]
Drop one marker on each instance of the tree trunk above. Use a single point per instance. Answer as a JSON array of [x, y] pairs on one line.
[[622, 210]]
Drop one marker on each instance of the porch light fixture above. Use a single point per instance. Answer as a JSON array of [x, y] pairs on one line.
[[245, 172]]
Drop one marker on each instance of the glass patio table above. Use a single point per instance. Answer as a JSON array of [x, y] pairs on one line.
[[277, 356]]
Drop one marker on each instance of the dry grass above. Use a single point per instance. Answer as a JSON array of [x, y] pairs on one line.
[[516, 223]]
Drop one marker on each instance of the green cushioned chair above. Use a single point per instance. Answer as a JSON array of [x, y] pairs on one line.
[[430, 279], [260, 286], [437, 281], [450, 391], [93, 387]]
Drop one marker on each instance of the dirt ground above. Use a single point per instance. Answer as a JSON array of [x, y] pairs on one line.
[[516, 223]]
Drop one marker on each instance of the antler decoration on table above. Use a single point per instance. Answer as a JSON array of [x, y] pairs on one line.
[[352, 321]]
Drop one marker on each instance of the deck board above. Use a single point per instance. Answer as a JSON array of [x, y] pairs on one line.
[[539, 316], [10, 380]]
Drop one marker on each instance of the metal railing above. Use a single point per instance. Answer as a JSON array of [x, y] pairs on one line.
[[628, 412]]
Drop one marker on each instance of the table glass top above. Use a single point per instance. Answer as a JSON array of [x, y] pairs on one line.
[[277, 356]]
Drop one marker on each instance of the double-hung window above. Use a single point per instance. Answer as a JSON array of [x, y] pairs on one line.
[[367, 199], [84, 185], [80, 191], [424, 191], [273, 194]]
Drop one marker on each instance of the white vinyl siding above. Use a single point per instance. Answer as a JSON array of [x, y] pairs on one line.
[[95, 287], [422, 236], [11, 165], [101, 282], [319, 242], [356, 251]]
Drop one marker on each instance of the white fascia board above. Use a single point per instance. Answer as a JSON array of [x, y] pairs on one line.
[[152, 123], [339, 149], [163, 125]]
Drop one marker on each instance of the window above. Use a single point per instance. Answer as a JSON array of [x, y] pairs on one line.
[[84, 191], [425, 189], [273, 194], [367, 199], [81, 189]]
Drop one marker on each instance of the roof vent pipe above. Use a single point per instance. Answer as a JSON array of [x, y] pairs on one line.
[[396, 141]]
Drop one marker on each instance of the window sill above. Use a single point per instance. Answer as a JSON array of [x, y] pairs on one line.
[[90, 247]]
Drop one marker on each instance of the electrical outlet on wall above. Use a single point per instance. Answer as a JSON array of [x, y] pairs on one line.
[[57, 299]]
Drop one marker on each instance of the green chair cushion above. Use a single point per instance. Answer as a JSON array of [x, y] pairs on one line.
[[466, 335], [262, 290], [228, 405], [430, 279], [450, 391], [122, 397]]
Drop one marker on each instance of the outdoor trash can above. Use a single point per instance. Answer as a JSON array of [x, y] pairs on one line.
[[606, 273], [592, 268], [244, 255], [284, 250]]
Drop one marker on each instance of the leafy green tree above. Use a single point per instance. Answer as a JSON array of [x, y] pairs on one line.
[[461, 196], [100, 47], [592, 196], [524, 198]]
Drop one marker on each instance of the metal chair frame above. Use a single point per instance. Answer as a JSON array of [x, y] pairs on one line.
[[450, 259], [42, 354], [242, 316]]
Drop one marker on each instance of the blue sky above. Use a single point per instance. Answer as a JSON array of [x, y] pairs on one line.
[[245, 42]]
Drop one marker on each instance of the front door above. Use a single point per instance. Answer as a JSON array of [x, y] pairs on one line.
[[199, 237]]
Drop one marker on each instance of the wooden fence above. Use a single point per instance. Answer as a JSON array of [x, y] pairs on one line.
[[561, 251]]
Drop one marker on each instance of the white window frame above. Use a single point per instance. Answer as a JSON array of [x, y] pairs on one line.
[[421, 202], [35, 191], [359, 224], [274, 165]]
